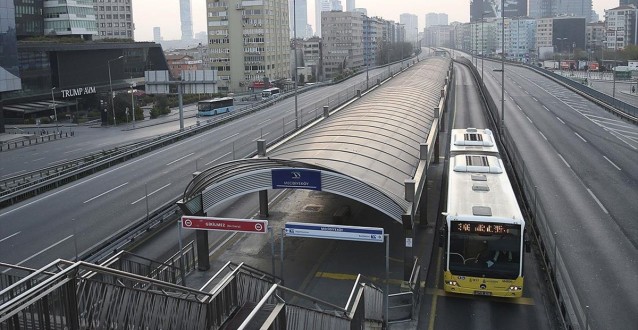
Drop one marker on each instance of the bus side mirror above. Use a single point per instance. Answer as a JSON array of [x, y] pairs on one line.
[[441, 236]]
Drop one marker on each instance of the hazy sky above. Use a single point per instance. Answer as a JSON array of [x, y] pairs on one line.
[[148, 13]]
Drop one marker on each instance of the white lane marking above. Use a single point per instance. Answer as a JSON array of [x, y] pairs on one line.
[[612, 163], [560, 120], [68, 152], [582, 138], [33, 256], [35, 160], [178, 159], [564, 161], [265, 121], [546, 108], [104, 193], [228, 137], [6, 238], [58, 161], [218, 158], [175, 145], [597, 201], [533, 98], [261, 137], [543, 135], [160, 188], [519, 107], [529, 119]]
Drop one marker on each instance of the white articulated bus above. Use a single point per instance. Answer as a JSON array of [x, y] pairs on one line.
[[484, 231]]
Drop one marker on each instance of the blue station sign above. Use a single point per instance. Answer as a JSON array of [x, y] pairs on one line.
[[345, 233], [296, 178]]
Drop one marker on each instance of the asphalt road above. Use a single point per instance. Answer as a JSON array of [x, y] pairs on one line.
[[64, 222], [441, 310], [582, 161]]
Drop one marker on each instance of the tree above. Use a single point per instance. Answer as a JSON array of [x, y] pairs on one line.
[[302, 79]]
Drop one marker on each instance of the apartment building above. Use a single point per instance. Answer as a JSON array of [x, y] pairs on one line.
[[411, 24], [342, 42], [312, 49], [114, 19], [247, 43], [372, 39], [620, 27]]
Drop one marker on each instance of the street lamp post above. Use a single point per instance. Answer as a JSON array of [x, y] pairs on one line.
[[482, 40], [502, 68], [111, 87], [55, 110], [294, 28], [133, 102]]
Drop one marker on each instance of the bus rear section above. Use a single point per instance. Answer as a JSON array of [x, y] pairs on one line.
[[215, 106], [270, 93]]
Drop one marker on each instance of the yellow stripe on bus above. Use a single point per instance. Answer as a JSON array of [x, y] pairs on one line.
[[518, 301]]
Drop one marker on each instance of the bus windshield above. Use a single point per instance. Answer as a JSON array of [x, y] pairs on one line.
[[489, 250]]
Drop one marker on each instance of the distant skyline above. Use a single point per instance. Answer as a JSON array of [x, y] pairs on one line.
[[147, 14]]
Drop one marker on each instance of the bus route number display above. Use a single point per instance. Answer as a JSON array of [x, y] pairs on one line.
[[480, 228]]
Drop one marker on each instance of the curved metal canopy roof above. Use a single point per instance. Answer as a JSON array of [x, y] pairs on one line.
[[365, 151]]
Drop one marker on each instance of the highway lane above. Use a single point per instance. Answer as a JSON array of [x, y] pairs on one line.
[[94, 139], [77, 216], [580, 159], [442, 310]]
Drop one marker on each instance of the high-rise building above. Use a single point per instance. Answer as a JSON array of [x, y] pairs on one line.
[[580, 8], [69, 18], [515, 8], [364, 11], [28, 18], [480, 9], [157, 34], [411, 23], [246, 42], [300, 10], [342, 42], [336, 5], [321, 6], [9, 71], [350, 5], [551, 8], [114, 20], [186, 18], [372, 39], [435, 19]]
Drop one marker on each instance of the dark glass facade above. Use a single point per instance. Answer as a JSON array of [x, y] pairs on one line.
[[66, 66], [515, 8], [571, 33], [29, 19], [9, 69]]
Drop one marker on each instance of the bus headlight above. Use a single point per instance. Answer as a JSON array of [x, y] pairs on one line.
[[515, 288], [452, 283]]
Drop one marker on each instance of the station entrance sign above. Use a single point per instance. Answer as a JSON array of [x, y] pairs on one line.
[[346, 233], [225, 224]]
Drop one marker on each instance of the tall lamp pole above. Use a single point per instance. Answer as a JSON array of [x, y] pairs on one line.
[[111, 87], [294, 31], [502, 67], [133, 102], [55, 110]]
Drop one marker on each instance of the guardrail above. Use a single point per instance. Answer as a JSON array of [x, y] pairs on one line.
[[20, 187]]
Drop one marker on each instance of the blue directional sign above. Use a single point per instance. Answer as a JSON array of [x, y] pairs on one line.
[[296, 178], [345, 233]]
